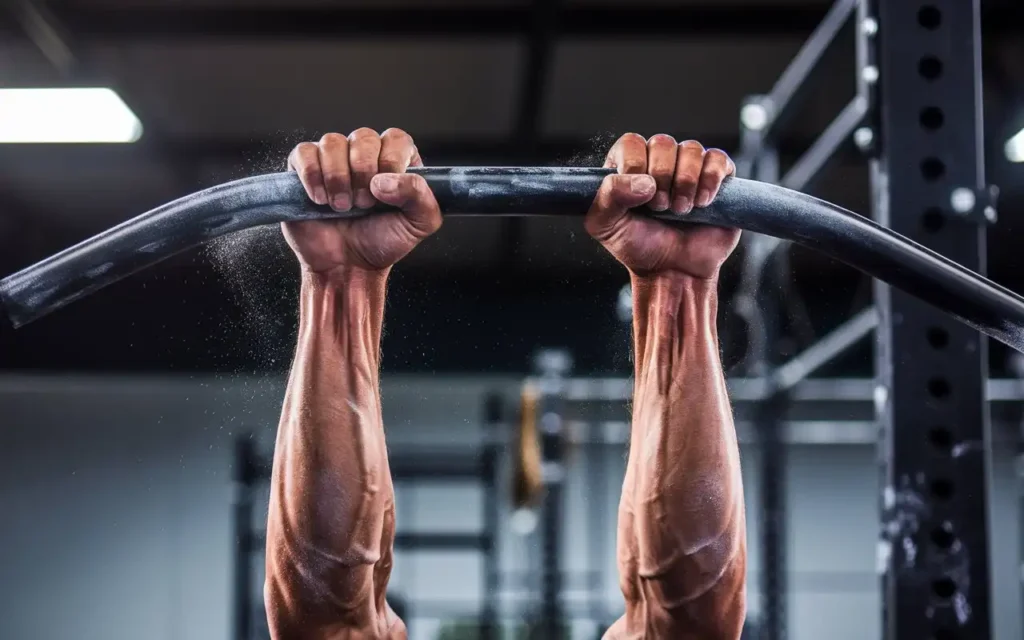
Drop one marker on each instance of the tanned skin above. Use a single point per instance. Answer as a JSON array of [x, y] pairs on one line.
[[681, 533], [331, 524]]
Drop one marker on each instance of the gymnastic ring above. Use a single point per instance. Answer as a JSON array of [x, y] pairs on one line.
[[745, 204]]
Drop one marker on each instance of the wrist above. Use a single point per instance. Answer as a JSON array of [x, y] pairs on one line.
[[344, 301], [674, 320], [347, 277], [672, 289]]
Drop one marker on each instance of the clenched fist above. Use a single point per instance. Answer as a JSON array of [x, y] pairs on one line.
[[666, 176], [359, 170]]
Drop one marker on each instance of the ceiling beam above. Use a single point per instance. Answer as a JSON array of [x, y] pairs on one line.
[[111, 23], [147, 23]]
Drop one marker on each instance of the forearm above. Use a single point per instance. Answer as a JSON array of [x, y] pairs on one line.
[[683, 476], [331, 504]]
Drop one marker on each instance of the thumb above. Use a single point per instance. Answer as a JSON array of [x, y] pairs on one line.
[[617, 195], [410, 193]]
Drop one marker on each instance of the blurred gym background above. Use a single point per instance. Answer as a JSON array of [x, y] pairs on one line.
[[135, 425]]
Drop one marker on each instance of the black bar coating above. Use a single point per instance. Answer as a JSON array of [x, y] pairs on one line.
[[745, 204]]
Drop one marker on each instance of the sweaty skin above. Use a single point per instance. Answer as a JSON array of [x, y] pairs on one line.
[[331, 522]]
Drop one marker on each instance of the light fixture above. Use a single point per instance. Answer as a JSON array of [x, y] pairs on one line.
[[1015, 147], [78, 115]]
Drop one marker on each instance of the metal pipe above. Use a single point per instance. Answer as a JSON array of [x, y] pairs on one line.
[[825, 350], [794, 78], [754, 206], [824, 149]]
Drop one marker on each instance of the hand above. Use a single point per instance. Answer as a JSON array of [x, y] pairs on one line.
[[361, 169], [667, 176]]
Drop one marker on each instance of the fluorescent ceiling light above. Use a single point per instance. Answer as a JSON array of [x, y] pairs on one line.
[[66, 115], [1015, 147]]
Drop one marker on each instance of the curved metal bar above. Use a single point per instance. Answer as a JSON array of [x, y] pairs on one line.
[[754, 206]]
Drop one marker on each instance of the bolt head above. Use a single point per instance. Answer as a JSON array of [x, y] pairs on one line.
[[754, 116], [962, 200], [863, 137]]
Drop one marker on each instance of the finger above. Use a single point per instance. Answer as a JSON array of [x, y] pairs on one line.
[[628, 154], [717, 166], [363, 153], [333, 149], [305, 161], [689, 163], [410, 193], [661, 165], [396, 151], [617, 195], [416, 161]]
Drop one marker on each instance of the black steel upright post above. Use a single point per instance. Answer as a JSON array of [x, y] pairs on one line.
[[928, 181], [242, 524], [494, 420], [553, 365], [769, 415]]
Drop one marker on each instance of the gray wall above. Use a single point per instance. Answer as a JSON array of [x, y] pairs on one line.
[[115, 497]]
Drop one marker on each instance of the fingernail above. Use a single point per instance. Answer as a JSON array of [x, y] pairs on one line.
[[320, 195], [342, 202], [364, 199], [660, 201], [387, 183], [641, 184], [703, 197], [682, 204]]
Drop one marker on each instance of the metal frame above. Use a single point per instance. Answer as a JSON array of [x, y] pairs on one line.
[[757, 301], [931, 387], [936, 438], [553, 367]]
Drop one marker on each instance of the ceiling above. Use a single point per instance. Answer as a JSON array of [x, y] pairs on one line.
[[225, 87]]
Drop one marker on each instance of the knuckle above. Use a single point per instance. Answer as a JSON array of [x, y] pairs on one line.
[[336, 181], [685, 180], [362, 172], [417, 184], [616, 184], [692, 146], [394, 134], [632, 139], [389, 163], [363, 133], [302, 153], [332, 140], [310, 173], [363, 162], [633, 163], [716, 172], [661, 139]]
